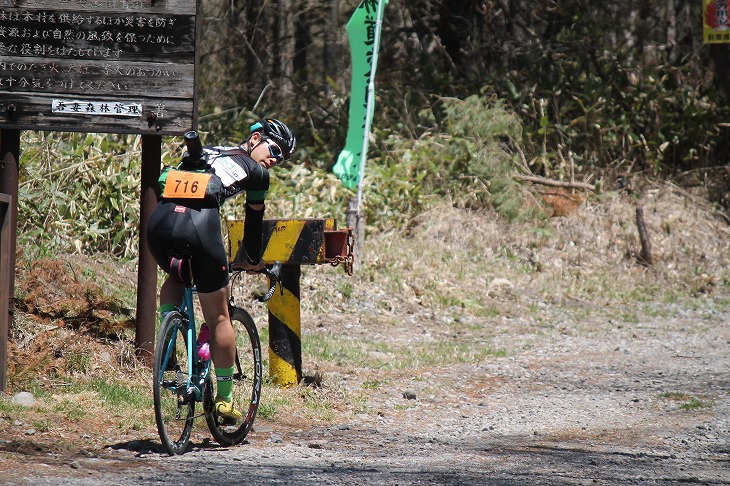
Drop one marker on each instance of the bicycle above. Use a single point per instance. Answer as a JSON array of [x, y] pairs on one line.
[[181, 379]]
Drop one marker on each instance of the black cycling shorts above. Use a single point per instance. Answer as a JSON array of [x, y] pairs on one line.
[[175, 229]]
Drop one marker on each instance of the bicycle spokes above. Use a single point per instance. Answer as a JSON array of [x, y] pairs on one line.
[[246, 383]]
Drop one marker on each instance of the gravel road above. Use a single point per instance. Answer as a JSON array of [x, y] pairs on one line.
[[573, 402]]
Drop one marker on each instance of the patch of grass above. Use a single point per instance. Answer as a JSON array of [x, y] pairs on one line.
[[337, 349], [41, 425], [264, 336], [694, 403], [401, 408], [118, 394], [78, 362], [113, 393], [7, 408], [314, 402], [72, 411], [487, 312], [372, 384], [446, 352], [690, 402], [347, 290], [272, 402], [383, 355], [629, 317], [675, 396]]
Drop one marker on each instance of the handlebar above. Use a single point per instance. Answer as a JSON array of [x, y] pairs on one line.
[[193, 144], [274, 275], [195, 158]]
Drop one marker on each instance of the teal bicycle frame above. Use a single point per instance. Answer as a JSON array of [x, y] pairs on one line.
[[197, 371], [177, 390]]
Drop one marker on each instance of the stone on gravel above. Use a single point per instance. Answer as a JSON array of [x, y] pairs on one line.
[[23, 398]]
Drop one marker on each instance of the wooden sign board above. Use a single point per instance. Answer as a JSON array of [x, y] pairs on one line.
[[116, 66]]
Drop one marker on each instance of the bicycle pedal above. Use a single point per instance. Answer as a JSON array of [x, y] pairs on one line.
[[169, 384]]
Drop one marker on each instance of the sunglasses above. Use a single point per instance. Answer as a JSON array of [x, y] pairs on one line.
[[275, 150]]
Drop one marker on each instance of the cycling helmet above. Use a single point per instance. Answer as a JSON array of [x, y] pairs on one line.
[[279, 133]]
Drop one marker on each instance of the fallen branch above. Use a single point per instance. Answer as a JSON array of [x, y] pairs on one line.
[[550, 182]]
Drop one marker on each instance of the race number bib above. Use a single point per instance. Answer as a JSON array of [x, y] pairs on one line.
[[185, 185]]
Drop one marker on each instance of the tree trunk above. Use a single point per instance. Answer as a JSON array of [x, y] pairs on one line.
[[721, 59], [331, 50]]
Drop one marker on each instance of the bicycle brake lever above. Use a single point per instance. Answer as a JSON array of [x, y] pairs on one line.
[[275, 274], [274, 277]]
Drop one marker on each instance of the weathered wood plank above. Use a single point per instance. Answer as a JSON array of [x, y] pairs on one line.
[[33, 112], [133, 6], [113, 78], [88, 35]]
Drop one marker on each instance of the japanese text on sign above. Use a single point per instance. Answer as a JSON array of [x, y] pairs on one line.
[[139, 54], [97, 107]]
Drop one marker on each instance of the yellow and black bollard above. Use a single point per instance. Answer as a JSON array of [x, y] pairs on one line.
[[293, 242], [285, 344]]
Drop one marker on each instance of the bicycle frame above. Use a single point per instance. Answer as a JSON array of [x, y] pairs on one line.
[[177, 390], [197, 372]]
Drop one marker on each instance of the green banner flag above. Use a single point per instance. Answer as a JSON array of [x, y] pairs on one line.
[[363, 32]]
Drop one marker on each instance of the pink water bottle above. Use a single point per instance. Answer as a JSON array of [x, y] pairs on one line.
[[204, 343]]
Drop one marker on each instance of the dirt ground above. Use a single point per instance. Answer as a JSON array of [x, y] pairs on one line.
[[587, 391]]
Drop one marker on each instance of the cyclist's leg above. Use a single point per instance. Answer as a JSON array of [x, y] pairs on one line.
[[215, 312], [171, 293], [223, 349], [167, 230], [210, 271], [246, 384]]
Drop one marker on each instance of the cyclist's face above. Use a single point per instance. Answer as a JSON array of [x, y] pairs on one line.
[[261, 152]]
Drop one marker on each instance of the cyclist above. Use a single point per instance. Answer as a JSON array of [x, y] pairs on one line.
[[186, 221]]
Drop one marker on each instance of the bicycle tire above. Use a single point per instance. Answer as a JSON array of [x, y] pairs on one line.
[[174, 410], [246, 383]]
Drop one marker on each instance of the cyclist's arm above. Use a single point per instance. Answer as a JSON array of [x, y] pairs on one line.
[[258, 184], [252, 230]]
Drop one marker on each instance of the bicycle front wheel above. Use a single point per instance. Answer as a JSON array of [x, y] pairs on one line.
[[174, 409], [247, 380]]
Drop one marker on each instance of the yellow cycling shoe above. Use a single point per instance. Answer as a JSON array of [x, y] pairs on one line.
[[225, 409]]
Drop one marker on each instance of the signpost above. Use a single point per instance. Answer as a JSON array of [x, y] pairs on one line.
[[109, 66], [116, 66]]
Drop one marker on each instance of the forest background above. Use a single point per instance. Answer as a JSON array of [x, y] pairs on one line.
[[469, 94]]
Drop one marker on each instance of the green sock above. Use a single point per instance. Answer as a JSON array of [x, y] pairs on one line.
[[224, 379], [164, 310]]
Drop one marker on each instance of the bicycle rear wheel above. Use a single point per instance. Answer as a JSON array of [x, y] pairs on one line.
[[174, 409], [246, 383]]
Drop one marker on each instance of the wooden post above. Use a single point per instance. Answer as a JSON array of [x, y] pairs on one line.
[[9, 156], [6, 203], [147, 270]]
